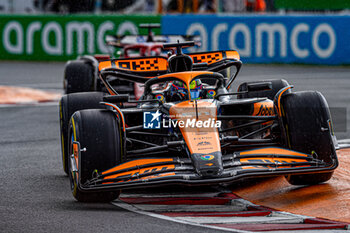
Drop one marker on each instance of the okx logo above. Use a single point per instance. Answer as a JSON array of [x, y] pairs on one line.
[[151, 120]]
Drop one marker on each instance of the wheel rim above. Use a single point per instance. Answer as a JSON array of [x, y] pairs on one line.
[[73, 175]]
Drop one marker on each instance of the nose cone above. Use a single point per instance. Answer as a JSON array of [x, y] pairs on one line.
[[208, 165]]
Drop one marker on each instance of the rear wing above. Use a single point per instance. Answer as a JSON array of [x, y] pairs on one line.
[[139, 69], [153, 66], [143, 68], [214, 57], [122, 41]]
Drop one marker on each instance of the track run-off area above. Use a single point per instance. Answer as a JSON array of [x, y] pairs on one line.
[[35, 194]]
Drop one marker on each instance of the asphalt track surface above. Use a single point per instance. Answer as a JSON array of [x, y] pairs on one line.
[[35, 195]]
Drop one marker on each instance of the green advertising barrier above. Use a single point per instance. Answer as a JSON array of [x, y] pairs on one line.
[[60, 38], [312, 4]]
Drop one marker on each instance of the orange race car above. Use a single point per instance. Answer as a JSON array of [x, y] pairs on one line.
[[189, 128]]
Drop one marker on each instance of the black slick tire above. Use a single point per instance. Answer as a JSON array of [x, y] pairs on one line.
[[98, 132], [67, 106], [307, 124], [78, 77]]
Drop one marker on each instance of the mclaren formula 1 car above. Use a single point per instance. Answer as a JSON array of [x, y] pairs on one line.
[[189, 129]]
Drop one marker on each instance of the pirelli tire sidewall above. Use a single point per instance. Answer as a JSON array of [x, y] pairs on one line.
[[67, 106], [277, 84], [98, 133], [64, 120], [307, 126], [79, 76]]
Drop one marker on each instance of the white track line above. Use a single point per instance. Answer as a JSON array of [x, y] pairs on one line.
[[243, 220], [189, 208], [135, 210]]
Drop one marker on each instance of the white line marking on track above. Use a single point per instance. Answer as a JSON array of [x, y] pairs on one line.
[[242, 220], [190, 208], [306, 231], [170, 195], [135, 210]]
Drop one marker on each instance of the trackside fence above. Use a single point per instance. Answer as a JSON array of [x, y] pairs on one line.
[[304, 39]]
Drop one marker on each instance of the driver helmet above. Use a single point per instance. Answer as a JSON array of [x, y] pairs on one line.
[[195, 88]]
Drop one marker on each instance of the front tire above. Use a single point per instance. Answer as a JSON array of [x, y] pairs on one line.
[[68, 105], [308, 128], [99, 132]]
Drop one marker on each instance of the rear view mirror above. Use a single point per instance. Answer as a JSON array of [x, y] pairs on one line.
[[262, 86]]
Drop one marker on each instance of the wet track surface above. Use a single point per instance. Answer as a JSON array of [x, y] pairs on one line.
[[35, 194]]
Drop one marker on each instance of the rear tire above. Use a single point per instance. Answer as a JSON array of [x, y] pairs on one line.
[[307, 125], [68, 105], [98, 131], [277, 84], [78, 77]]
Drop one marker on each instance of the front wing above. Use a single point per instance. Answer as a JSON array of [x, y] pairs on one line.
[[175, 170]]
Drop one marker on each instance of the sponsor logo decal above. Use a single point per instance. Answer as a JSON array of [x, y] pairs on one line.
[[211, 93], [203, 143], [207, 157], [140, 65], [160, 97], [151, 120], [265, 111]]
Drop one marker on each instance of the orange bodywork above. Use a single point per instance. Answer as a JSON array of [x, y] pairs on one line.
[[277, 161], [104, 64], [265, 108], [231, 54], [206, 57], [144, 64], [273, 151], [212, 57], [135, 163], [199, 140], [137, 64], [143, 171]]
